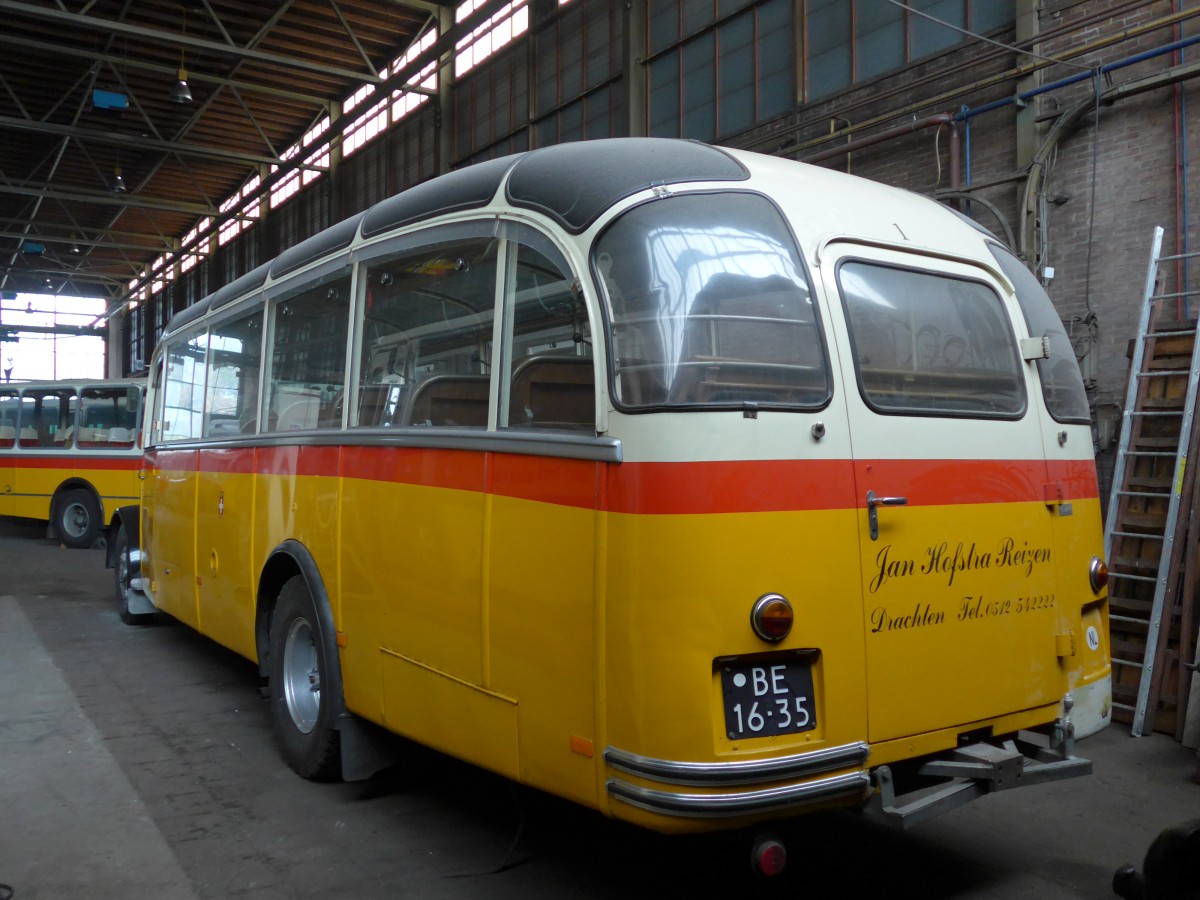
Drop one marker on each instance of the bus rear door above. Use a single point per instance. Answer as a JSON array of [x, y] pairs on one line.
[[955, 537]]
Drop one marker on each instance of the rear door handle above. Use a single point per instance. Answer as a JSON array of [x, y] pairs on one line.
[[873, 504]]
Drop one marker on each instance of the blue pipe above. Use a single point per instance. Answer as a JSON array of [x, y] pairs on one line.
[[965, 113], [966, 144]]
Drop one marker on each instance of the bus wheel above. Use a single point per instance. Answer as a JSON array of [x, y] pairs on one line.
[[77, 519], [122, 574], [301, 709]]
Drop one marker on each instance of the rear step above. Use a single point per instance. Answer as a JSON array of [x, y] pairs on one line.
[[969, 772]]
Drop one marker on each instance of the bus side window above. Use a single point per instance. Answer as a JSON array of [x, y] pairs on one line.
[[426, 335], [234, 361], [108, 418], [551, 383], [183, 399], [48, 418], [308, 356], [9, 404]]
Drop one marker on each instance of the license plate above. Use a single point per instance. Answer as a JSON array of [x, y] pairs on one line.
[[765, 697]]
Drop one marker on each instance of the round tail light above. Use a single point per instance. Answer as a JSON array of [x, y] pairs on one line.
[[1098, 574], [771, 617]]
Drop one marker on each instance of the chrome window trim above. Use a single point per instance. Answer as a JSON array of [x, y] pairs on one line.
[[853, 784], [749, 771], [559, 445]]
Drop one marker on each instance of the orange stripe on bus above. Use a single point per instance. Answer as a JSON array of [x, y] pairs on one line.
[[113, 463], [734, 486], [660, 488], [562, 482], [934, 482], [461, 470]]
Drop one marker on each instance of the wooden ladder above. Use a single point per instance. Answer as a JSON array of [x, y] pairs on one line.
[[1149, 532]]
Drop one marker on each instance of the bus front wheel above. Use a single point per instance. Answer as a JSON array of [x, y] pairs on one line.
[[301, 709], [77, 519]]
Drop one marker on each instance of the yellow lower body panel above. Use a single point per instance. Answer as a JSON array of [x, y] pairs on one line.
[[450, 715]]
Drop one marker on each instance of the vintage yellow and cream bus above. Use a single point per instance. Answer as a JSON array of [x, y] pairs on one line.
[[70, 452], [697, 486]]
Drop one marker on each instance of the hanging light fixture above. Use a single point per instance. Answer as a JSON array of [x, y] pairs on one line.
[[180, 92], [118, 183]]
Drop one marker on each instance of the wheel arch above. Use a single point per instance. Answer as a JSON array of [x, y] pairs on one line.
[[130, 518], [289, 559], [365, 749]]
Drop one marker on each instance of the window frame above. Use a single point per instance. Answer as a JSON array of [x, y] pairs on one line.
[[608, 322], [1005, 320], [324, 272]]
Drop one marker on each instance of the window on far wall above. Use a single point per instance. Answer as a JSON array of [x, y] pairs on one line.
[[717, 67], [847, 41]]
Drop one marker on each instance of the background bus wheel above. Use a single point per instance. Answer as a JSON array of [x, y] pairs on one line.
[[122, 574], [77, 519], [301, 709]]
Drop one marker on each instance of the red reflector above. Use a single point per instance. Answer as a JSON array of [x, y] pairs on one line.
[[769, 858], [1098, 574]]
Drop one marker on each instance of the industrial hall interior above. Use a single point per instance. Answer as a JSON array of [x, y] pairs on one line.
[[680, 432]]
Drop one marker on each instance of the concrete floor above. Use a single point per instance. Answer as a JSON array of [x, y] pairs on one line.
[[139, 763]]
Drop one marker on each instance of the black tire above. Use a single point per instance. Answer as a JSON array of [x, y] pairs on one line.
[[121, 575], [77, 519], [302, 710]]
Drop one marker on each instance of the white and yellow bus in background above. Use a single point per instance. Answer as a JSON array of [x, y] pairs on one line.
[[70, 452], [700, 487]]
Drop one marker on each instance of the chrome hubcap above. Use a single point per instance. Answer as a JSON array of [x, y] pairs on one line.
[[301, 676], [76, 519]]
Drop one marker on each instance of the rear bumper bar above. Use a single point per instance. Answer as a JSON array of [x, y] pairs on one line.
[[946, 781], [673, 803], [722, 775]]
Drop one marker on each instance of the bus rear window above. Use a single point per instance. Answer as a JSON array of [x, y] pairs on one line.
[[1062, 384], [926, 343], [709, 306]]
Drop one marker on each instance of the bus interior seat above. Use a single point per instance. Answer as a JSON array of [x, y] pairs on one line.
[[91, 436], [553, 392], [8, 435], [449, 400], [29, 436], [298, 415], [640, 382], [373, 404], [63, 438], [121, 436]]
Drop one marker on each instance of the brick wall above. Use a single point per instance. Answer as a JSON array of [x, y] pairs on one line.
[[1128, 163]]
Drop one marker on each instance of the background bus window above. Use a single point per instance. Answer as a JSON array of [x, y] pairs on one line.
[[109, 417], [183, 398], [710, 306], [234, 362], [929, 343], [427, 334], [308, 356], [48, 418], [9, 405], [549, 359]]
